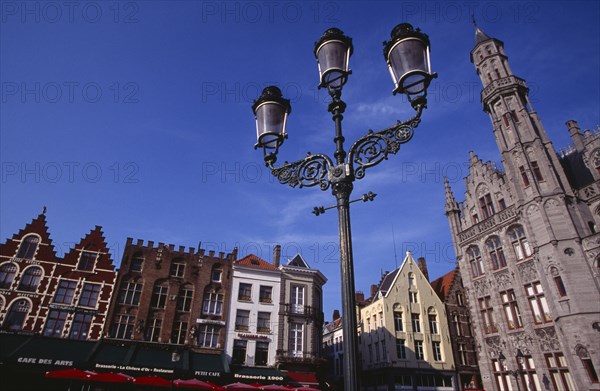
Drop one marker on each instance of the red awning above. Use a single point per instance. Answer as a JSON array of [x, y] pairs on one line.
[[193, 383], [307, 389], [154, 381], [71, 373], [240, 386], [110, 377], [308, 378], [276, 387]]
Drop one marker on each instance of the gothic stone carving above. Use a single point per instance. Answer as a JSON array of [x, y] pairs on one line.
[[547, 339], [503, 280], [528, 271], [494, 345], [481, 287]]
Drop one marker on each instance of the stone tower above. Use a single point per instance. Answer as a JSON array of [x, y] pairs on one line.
[[526, 242]]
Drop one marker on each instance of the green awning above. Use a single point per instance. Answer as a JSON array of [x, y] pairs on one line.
[[35, 350], [208, 365]]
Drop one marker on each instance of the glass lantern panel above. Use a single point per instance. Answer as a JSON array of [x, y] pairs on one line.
[[270, 123], [408, 56], [333, 62]]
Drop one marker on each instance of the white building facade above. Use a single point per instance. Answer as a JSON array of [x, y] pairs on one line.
[[252, 326]]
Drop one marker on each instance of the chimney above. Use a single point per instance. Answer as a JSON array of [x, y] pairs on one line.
[[276, 255], [576, 135], [360, 297], [336, 315], [423, 267], [373, 290]]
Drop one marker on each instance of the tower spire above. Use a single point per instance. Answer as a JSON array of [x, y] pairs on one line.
[[451, 204]]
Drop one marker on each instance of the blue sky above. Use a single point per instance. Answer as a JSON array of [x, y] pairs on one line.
[[136, 116]]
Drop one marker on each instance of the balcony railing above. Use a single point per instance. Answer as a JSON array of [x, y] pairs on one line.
[[499, 83], [490, 223], [285, 356]]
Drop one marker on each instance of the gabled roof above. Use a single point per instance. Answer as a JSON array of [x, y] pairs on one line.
[[252, 260], [39, 227], [442, 285], [387, 281], [390, 279], [94, 241], [298, 261]]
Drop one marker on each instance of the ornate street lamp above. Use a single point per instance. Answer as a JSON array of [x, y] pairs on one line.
[[407, 55], [516, 373]]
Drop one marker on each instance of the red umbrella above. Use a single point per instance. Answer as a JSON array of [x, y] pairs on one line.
[[193, 383], [215, 386], [110, 377], [71, 373], [153, 381], [240, 386], [276, 387]]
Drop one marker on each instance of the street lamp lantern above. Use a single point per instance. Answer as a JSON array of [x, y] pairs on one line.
[[333, 53], [520, 358], [407, 56], [271, 110], [501, 358]]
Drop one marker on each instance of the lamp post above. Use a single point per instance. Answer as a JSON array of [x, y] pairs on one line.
[[516, 373], [407, 56]]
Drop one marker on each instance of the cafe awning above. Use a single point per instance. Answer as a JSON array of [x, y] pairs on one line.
[[260, 375], [304, 378]]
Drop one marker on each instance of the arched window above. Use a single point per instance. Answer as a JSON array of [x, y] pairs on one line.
[[137, 261], [16, 315], [7, 275], [494, 247], [29, 245], [411, 279], [474, 257], [30, 279], [586, 360], [519, 242], [433, 323]]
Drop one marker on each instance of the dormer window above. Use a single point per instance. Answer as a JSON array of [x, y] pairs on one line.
[[86, 261], [28, 247]]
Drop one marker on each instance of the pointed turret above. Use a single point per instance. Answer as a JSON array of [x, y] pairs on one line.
[[480, 36], [451, 204]]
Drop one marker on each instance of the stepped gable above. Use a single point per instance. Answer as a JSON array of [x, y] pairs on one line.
[[252, 260], [95, 242], [38, 226], [442, 285]]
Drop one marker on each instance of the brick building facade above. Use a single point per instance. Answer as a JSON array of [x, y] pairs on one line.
[[172, 295], [42, 293], [451, 291]]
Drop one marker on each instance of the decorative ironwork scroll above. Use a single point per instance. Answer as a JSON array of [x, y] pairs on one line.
[[308, 172]]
